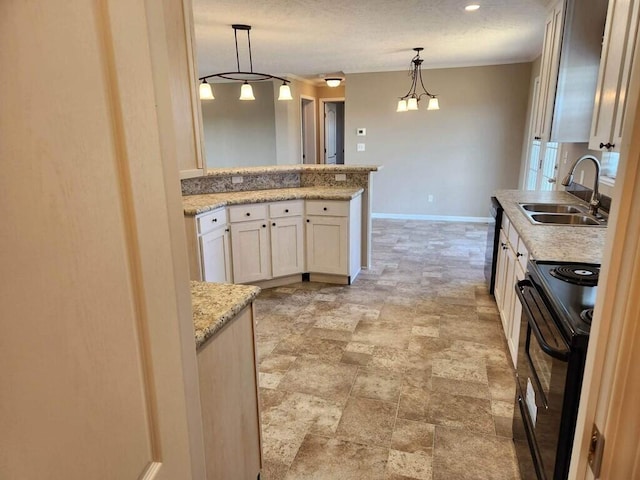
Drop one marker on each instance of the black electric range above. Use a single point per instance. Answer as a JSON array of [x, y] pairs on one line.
[[557, 309]]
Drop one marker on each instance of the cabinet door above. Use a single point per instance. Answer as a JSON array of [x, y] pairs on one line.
[[250, 251], [549, 71], [509, 291], [501, 260], [215, 256], [614, 74], [513, 338], [287, 246], [327, 242]]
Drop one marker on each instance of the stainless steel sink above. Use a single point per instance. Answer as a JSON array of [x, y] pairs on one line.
[[570, 214], [553, 208], [564, 219]]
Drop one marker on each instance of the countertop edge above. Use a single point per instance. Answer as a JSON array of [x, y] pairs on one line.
[[215, 305], [261, 170], [271, 195]]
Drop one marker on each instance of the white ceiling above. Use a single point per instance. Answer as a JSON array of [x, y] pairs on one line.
[[309, 38]]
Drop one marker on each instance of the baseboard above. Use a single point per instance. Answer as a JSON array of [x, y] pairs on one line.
[[438, 218]]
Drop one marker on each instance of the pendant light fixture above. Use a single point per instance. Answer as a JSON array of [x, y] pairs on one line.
[[333, 82], [411, 99], [246, 91]]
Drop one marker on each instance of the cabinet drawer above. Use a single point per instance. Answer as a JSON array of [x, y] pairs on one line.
[[514, 238], [326, 207], [243, 213], [522, 254], [293, 208], [210, 220]]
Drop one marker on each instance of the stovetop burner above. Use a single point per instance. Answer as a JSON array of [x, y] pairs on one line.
[[587, 315], [577, 274]]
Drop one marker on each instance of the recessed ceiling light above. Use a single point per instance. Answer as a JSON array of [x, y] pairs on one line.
[[472, 7]]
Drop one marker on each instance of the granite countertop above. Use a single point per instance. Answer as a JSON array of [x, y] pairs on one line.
[[215, 304], [195, 204], [552, 242], [261, 170]]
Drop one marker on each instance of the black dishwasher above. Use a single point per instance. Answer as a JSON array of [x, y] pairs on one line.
[[493, 240]]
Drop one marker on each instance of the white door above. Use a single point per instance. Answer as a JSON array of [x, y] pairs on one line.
[[327, 245], [330, 125], [95, 353], [308, 113]]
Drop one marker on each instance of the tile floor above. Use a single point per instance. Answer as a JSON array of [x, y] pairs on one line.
[[402, 375]]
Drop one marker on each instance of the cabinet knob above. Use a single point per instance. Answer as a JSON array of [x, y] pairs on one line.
[[226, 229], [537, 138], [518, 254], [325, 209], [308, 220], [248, 214], [214, 220], [607, 145], [286, 210], [264, 226], [503, 245], [273, 224]]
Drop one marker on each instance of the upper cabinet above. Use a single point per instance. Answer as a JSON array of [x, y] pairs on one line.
[[174, 67], [615, 71], [569, 70]]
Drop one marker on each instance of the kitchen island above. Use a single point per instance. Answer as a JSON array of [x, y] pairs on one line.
[[223, 318]]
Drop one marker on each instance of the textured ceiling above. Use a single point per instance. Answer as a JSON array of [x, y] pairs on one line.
[[310, 38]]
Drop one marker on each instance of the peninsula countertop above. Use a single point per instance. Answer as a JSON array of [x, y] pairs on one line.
[[215, 304], [195, 204], [552, 242]]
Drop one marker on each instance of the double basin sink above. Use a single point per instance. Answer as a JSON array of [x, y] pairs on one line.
[[562, 214]]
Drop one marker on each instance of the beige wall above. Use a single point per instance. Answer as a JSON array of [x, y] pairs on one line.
[[459, 154], [239, 133]]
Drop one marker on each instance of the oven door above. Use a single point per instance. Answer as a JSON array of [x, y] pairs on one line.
[[542, 370]]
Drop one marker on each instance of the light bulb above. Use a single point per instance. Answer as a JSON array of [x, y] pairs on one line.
[[206, 93], [433, 104], [412, 104], [402, 106], [246, 92], [285, 92]]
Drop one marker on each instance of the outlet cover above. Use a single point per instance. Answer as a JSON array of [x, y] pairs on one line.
[[237, 179], [341, 177], [361, 132], [360, 147]]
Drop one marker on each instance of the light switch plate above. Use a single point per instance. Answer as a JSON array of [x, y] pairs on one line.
[[361, 132], [360, 147]]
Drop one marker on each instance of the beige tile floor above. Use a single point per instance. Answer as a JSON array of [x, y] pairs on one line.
[[402, 375]]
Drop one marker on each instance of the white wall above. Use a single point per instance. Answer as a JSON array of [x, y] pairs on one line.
[[239, 133], [459, 154]]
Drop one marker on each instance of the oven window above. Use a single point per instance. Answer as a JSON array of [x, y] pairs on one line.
[[542, 365]]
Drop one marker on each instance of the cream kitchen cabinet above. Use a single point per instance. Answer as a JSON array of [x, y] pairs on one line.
[[333, 238], [250, 244], [209, 252], [267, 240], [616, 60], [512, 263]]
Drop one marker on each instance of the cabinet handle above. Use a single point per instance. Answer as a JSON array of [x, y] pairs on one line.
[[551, 180], [226, 229], [518, 255], [537, 138], [286, 210], [273, 224], [504, 245], [607, 145], [248, 214], [214, 220]]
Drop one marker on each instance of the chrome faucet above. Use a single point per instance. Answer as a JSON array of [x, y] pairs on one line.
[[594, 203]]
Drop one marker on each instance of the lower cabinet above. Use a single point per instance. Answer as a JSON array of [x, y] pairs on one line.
[[510, 269], [229, 401], [250, 251], [209, 247], [287, 246]]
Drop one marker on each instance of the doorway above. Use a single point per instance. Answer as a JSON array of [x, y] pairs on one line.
[[308, 133], [332, 134]]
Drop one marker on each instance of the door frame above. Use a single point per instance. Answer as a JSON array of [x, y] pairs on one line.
[[314, 104], [321, 123]]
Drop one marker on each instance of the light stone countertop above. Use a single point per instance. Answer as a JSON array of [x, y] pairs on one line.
[[552, 242], [299, 168], [195, 204], [215, 304]]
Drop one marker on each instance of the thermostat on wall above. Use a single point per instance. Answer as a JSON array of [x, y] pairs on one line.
[[361, 132]]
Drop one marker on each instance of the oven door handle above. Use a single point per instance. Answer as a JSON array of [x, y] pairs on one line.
[[537, 315]]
